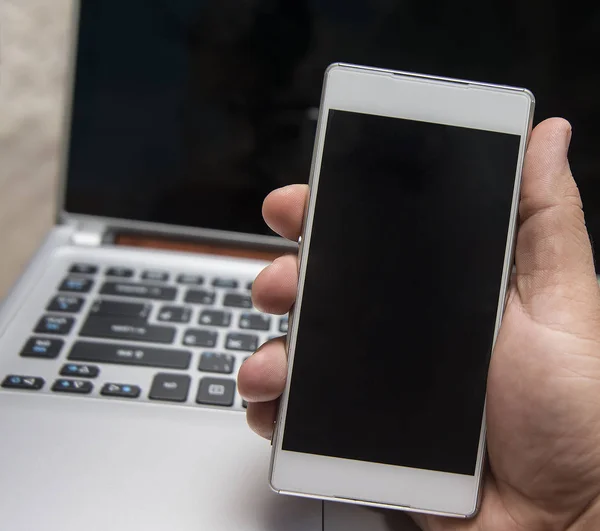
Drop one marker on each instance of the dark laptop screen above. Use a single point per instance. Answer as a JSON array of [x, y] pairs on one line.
[[189, 111]]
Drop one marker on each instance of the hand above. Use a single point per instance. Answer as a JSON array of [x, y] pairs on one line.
[[543, 400]]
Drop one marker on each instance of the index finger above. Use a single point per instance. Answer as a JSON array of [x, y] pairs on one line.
[[283, 210]]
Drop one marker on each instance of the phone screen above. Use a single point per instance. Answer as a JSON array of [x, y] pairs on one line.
[[401, 292]]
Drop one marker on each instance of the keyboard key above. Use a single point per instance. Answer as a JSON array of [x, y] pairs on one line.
[[121, 390], [76, 285], [214, 362], [82, 371], [65, 303], [139, 291], [244, 342], [84, 269], [174, 314], [200, 338], [104, 308], [120, 272], [29, 383], [283, 325], [170, 387], [190, 279], [40, 347], [237, 300], [126, 328], [255, 321], [50, 324], [215, 318], [216, 392], [123, 354], [155, 276], [81, 387], [230, 283], [200, 296]]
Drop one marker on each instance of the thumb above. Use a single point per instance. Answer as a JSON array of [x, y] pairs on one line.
[[553, 256]]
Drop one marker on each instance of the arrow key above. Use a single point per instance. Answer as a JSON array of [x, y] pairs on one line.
[[72, 386], [12, 381], [81, 371], [121, 390]]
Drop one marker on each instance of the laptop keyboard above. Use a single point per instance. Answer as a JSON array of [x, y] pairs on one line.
[[193, 331]]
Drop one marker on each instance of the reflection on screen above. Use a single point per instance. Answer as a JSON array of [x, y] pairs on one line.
[[191, 111], [401, 292]]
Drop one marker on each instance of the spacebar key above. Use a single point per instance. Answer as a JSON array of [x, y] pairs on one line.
[[123, 328], [130, 355]]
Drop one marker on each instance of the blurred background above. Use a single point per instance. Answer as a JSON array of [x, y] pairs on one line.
[[33, 46]]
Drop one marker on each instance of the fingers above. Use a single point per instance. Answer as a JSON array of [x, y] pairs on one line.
[[261, 418], [262, 376], [260, 382], [274, 290], [553, 248], [283, 210]]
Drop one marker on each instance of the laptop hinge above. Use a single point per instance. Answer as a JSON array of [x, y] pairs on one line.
[[88, 235]]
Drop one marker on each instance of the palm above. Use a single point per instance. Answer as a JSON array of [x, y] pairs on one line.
[[543, 420]]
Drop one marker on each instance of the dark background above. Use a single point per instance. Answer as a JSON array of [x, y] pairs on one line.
[[401, 292], [191, 111]]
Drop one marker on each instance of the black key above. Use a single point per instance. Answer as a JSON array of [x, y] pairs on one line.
[[155, 276], [190, 279], [200, 296], [283, 325], [245, 342], [121, 390], [106, 308], [200, 338], [216, 392], [120, 272], [76, 285], [214, 362], [126, 328], [82, 371], [249, 286], [81, 387], [215, 318], [237, 300], [255, 321], [121, 354], [230, 283], [139, 291], [40, 347], [174, 314], [170, 387], [84, 269], [65, 303], [54, 324], [30, 383]]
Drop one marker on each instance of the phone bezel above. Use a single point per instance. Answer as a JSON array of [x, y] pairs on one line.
[[428, 99]]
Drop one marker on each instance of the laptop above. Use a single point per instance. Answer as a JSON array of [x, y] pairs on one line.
[[121, 341]]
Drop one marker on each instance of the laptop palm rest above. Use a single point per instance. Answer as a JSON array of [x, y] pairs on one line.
[[67, 463]]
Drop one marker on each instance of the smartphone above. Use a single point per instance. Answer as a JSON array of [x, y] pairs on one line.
[[404, 263]]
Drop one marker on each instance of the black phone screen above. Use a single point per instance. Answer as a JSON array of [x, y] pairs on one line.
[[401, 292]]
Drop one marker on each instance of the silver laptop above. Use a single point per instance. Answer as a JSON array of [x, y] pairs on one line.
[[120, 343]]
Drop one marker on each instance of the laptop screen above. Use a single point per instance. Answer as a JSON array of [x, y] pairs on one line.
[[189, 112]]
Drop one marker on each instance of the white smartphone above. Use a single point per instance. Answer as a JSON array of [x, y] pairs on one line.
[[405, 259]]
